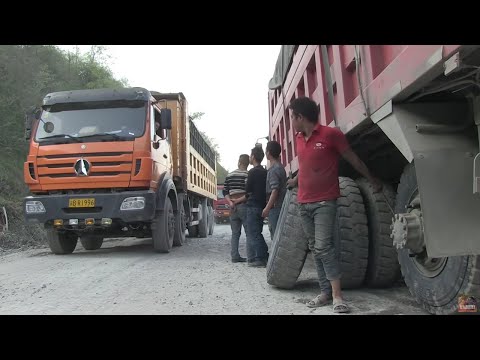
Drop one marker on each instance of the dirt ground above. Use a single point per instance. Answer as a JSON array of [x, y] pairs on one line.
[[127, 277]]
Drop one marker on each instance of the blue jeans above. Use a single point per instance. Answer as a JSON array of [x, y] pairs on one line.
[[318, 221], [273, 216], [257, 249], [238, 217]]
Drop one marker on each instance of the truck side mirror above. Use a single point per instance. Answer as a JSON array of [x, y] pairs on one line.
[[166, 119]]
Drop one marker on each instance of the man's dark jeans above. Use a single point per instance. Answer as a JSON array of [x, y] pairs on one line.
[[257, 249]]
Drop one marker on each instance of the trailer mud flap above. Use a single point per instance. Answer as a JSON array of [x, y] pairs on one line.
[[451, 212]]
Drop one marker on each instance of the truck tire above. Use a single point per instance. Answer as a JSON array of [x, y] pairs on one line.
[[91, 242], [163, 228], [436, 289], [289, 247], [351, 234], [180, 225], [203, 223], [211, 221], [383, 268], [193, 231], [61, 243]]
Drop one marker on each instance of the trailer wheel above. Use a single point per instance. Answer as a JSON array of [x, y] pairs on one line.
[[435, 283], [61, 243], [211, 221], [203, 223], [383, 268], [91, 242], [180, 225], [351, 234], [289, 247], [163, 228]]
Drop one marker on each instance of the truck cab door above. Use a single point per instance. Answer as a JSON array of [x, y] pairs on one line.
[[160, 146]]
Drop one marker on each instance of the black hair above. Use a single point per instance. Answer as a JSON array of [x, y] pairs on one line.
[[274, 148], [306, 107], [258, 154], [244, 159]]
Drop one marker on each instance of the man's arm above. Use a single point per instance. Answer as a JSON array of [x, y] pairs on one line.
[[291, 183], [248, 190], [271, 202], [360, 166], [226, 191]]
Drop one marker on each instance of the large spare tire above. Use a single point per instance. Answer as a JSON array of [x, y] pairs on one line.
[[289, 245]]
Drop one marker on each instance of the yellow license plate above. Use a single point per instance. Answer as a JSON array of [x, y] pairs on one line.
[[81, 203]]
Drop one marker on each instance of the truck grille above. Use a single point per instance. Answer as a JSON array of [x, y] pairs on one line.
[[114, 166]]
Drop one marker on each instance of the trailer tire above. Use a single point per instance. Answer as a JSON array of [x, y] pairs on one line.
[[203, 223], [61, 243], [460, 275], [383, 268], [180, 224], [91, 242], [163, 228], [211, 221], [289, 247], [351, 234], [193, 231]]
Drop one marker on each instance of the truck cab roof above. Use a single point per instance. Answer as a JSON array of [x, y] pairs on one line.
[[78, 96]]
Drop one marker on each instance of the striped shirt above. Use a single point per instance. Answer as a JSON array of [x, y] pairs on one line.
[[235, 182]]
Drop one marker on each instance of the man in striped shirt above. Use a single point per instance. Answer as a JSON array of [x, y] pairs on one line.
[[234, 188]]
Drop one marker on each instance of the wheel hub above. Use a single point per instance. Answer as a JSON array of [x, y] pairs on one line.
[[407, 231]]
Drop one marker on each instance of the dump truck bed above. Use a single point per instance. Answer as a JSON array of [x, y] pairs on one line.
[[384, 72], [193, 159]]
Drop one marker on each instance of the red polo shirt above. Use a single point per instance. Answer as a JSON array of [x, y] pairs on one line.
[[318, 164]]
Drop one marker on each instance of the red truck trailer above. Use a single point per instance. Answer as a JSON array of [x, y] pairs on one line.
[[412, 114]]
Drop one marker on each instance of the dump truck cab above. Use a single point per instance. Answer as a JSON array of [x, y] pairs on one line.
[[99, 164]]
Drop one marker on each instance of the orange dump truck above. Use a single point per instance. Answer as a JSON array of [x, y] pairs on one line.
[[117, 163]]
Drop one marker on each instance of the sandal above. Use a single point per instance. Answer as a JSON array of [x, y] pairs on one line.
[[320, 300], [340, 307]]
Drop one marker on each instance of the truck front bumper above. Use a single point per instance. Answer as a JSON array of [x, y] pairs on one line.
[[106, 206]]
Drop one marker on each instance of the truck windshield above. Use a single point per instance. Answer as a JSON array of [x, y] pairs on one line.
[[220, 194], [93, 122]]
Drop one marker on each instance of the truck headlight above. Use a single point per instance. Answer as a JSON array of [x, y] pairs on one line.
[[34, 207], [133, 203]]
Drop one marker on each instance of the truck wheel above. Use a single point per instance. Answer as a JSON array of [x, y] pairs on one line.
[[91, 242], [61, 243], [193, 231], [383, 268], [163, 228], [203, 223], [289, 247], [211, 221], [180, 226], [435, 283], [351, 234]]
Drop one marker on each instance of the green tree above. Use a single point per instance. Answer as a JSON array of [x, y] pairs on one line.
[[27, 74]]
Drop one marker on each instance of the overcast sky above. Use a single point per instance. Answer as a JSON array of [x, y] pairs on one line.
[[229, 83]]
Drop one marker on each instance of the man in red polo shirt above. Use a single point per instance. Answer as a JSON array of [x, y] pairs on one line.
[[319, 148]]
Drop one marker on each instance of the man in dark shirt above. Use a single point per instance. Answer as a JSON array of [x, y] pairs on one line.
[[256, 197]]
